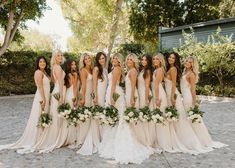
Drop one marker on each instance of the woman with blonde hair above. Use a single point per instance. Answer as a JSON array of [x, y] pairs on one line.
[[188, 88], [87, 136], [163, 135], [118, 142], [54, 136]]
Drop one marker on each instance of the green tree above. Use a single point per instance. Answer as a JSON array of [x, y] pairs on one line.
[[96, 24], [217, 56], [14, 14], [227, 8], [147, 15], [33, 40]]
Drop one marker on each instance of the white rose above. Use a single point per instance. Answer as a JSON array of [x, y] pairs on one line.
[[145, 116], [169, 113], [141, 114], [190, 113], [86, 111], [158, 116], [174, 119], [74, 119], [131, 114], [86, 116], [161, 118]]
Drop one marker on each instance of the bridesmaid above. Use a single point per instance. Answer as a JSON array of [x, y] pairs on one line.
[[41, 102], [184, 131], [53, 137], [100, 82], [85, 139], [188, 88], [144, 83], [71, 83], [160, 101], [132, 97]]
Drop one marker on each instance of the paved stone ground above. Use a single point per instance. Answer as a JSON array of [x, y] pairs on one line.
[[219, 117]]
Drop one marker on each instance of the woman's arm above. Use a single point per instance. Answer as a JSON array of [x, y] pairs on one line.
[[38, 78], [147, 81], [83, 81], [192, 79], [158, 80], [75, 87], [173, 73], [95, 82], [59, 77], [116, 74], [133, 78]]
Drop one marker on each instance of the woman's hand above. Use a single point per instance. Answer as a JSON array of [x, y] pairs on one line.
[[82, 102], [95, 100], [132, 102], [173, 100], [158, 102]]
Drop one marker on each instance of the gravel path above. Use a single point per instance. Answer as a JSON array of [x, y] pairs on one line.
[[219, 118]]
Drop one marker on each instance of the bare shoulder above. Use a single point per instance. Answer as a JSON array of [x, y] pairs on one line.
[[133, 72], [38, 73]]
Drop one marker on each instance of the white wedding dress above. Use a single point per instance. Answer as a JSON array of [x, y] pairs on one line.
[[101, 93], [32, 133], [188, 141], [118, 142], [199, 128]]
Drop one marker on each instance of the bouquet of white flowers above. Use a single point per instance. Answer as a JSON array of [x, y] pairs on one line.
[[145, 114], [64, 110], [97, 111], [72, 117], [45, 118], [83, 113], [172, 114], [131, 115], [195, 114], [157, 116], [110, 113]]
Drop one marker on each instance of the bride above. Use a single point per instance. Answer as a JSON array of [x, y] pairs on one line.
[[118, 142]]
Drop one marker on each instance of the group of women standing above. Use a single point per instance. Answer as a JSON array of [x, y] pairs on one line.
[[126, 143]]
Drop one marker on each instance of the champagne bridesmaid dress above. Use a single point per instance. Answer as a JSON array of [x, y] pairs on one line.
[[199, 128], [32, 133]]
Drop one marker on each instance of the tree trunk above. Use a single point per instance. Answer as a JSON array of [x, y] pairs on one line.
[[114, 28], [10, 30]]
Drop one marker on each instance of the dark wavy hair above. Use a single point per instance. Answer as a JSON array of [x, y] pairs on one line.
[[37, 63], [98, 65], [148, 69], [177, 64], [68, 71]]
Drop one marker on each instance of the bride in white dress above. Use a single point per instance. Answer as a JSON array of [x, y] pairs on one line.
[[188, 89], [118, 142], [100, 83], [32, 133], [183, 128]]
